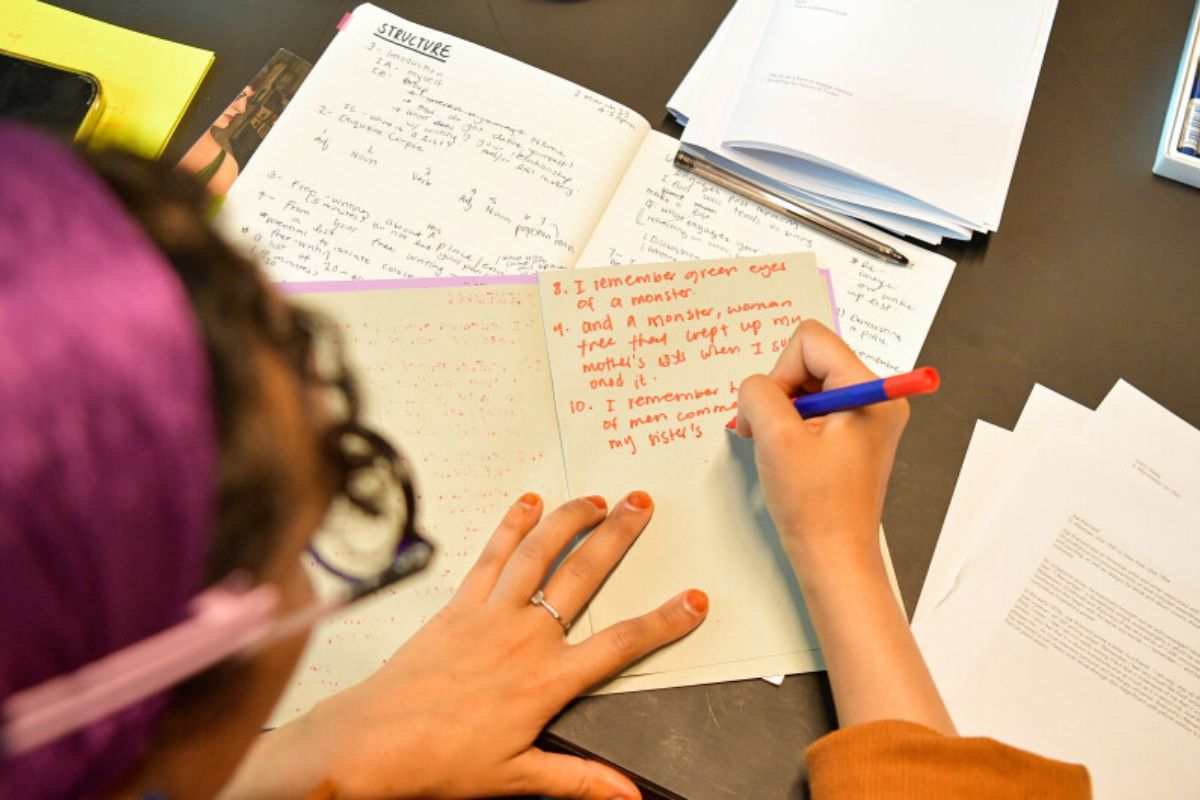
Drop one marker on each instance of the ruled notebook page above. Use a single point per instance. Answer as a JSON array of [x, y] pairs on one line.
[[411, 153]]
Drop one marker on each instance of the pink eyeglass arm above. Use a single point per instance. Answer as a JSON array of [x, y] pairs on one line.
[[223, 621]]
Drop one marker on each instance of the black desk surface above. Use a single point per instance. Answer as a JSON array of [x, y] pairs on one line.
[[1092, 277]]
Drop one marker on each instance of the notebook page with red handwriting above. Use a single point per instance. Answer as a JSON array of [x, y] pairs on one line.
[[646, 361]]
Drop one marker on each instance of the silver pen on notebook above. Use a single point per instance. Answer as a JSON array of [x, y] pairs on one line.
[[792, 209]]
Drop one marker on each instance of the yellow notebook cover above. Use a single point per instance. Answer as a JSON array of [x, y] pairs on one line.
[[147, 82]]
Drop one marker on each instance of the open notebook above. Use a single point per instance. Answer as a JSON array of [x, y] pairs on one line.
[[592, 381], [410, 153]]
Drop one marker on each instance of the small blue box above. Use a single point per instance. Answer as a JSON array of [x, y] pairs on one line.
[[1169, 162]]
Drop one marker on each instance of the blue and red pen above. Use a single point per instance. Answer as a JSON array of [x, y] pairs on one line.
[[922, 380]]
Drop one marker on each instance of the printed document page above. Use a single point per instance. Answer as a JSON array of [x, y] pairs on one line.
[[1165, 450], [995, 460], [1096, 659], [1151, 446], [715, 103]]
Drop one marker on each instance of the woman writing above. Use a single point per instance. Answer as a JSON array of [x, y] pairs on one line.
[[175, 434]]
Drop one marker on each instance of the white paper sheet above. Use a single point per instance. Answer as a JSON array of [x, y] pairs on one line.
[[988, 445], [994, 460], [1096, 659], [714, 107], [1159, 445], [1132, 431], [1046, 410]]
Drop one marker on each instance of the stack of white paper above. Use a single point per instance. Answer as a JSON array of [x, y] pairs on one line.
[[1061, 612], [907, 117]]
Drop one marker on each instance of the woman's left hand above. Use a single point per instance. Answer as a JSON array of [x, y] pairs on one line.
[[455, 712]]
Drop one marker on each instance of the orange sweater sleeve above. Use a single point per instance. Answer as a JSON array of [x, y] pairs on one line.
[[894, 760]]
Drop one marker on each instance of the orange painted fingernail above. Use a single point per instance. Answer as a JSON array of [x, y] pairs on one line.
[[529, 499], [598, 501], [696, 601], [639, 500]]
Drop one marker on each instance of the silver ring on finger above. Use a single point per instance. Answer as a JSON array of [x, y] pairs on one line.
[[539, 599]]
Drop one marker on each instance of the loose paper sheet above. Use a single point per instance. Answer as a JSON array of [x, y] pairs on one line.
[[1132, 432], [713, 107], [993, 463], [988, 444], [1046, 410], [799, 105], [1159, 445], [1096, 659], [810, 91]]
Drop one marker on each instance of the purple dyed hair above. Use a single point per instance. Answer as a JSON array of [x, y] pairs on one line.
[[108, 450]]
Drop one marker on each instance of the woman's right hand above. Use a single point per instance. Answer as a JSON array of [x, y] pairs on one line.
[[824, 479]]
